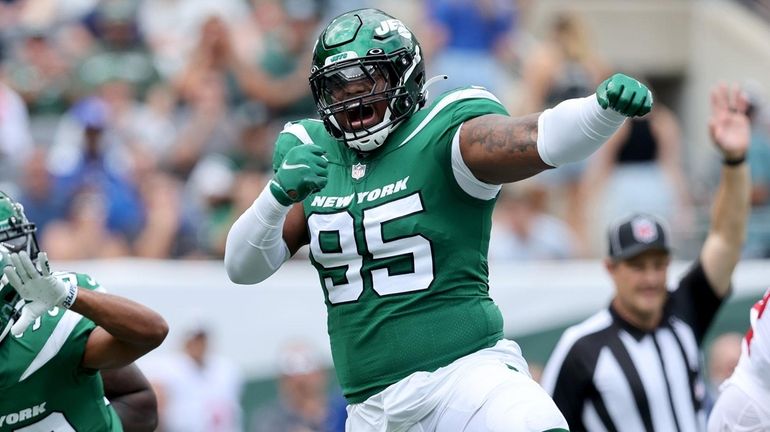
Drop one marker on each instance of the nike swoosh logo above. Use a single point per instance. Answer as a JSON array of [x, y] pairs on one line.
[[293, 166]]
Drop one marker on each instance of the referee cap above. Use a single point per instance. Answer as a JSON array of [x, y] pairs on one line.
[[636, 234]]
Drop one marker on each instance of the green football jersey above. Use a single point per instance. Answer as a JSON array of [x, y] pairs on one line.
[[401, 248], [42, 386]]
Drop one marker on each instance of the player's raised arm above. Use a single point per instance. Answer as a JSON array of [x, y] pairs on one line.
[[126, 330], [500, 149], [272, 229]]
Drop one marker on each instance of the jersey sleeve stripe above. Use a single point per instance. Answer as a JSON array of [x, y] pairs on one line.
[[55, 342], [465, 178], [469, 93], [298, 131]]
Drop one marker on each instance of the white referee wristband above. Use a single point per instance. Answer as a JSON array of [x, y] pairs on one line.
[[574, 129]]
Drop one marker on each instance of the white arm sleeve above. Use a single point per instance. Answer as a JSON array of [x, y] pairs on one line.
[[255, 248], [574, 129]]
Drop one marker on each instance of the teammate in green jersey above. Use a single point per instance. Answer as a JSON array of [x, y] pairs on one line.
[[57, 331], [395, 200]]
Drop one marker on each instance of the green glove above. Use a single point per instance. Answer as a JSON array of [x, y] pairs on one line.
[[302, 172], [624, 95]]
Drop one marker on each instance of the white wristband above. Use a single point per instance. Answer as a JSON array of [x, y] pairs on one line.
[[574, 129], [71, 295]]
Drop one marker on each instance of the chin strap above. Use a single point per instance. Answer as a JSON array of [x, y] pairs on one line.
[[432, 81]]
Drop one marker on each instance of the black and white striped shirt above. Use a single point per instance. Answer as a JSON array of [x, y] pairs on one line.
[[606, 375]]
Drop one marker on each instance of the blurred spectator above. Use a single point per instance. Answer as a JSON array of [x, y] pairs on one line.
[[723, 356], [643, 156], [197, 390], [303, 404], [287, 52], [209, 59], [154, 129], [210, 188], [278, 76], [122, 105], [120, 54], [255, 145], [169, 26], [523, 231], [225, 196], [15, 138], [85, 130], [471, 32], [37, 196], [758, 243], [564, 66], [168, 231], [215, 57], [49, 13], [83, 233], [206, 126], [87, 155], [40, 74]]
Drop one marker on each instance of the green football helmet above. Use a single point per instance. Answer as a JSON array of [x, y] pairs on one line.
[[10, 301], [16, 234], [367, 76]]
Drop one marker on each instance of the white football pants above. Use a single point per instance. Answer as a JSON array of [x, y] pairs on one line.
[[487, 391]]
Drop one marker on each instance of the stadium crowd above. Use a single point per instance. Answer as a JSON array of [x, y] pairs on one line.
[[140, 128]]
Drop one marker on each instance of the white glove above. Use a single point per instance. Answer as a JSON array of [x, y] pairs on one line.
[[41, 290]]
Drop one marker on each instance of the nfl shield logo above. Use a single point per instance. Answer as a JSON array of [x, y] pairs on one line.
[[644, 230], [358, 171]]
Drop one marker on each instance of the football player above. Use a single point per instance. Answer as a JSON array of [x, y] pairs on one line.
[[744, 400], [57, 331], [395, 199]]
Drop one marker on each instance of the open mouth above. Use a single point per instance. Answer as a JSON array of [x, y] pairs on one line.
[[362, 117]]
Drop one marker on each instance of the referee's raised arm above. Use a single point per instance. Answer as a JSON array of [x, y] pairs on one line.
[[730, 130]]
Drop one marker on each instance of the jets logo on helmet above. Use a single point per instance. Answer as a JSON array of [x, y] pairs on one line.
[[367, 77], [392, 25], [339, 57]]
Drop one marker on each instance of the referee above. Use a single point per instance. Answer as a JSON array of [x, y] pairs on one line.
[[635, 365]]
